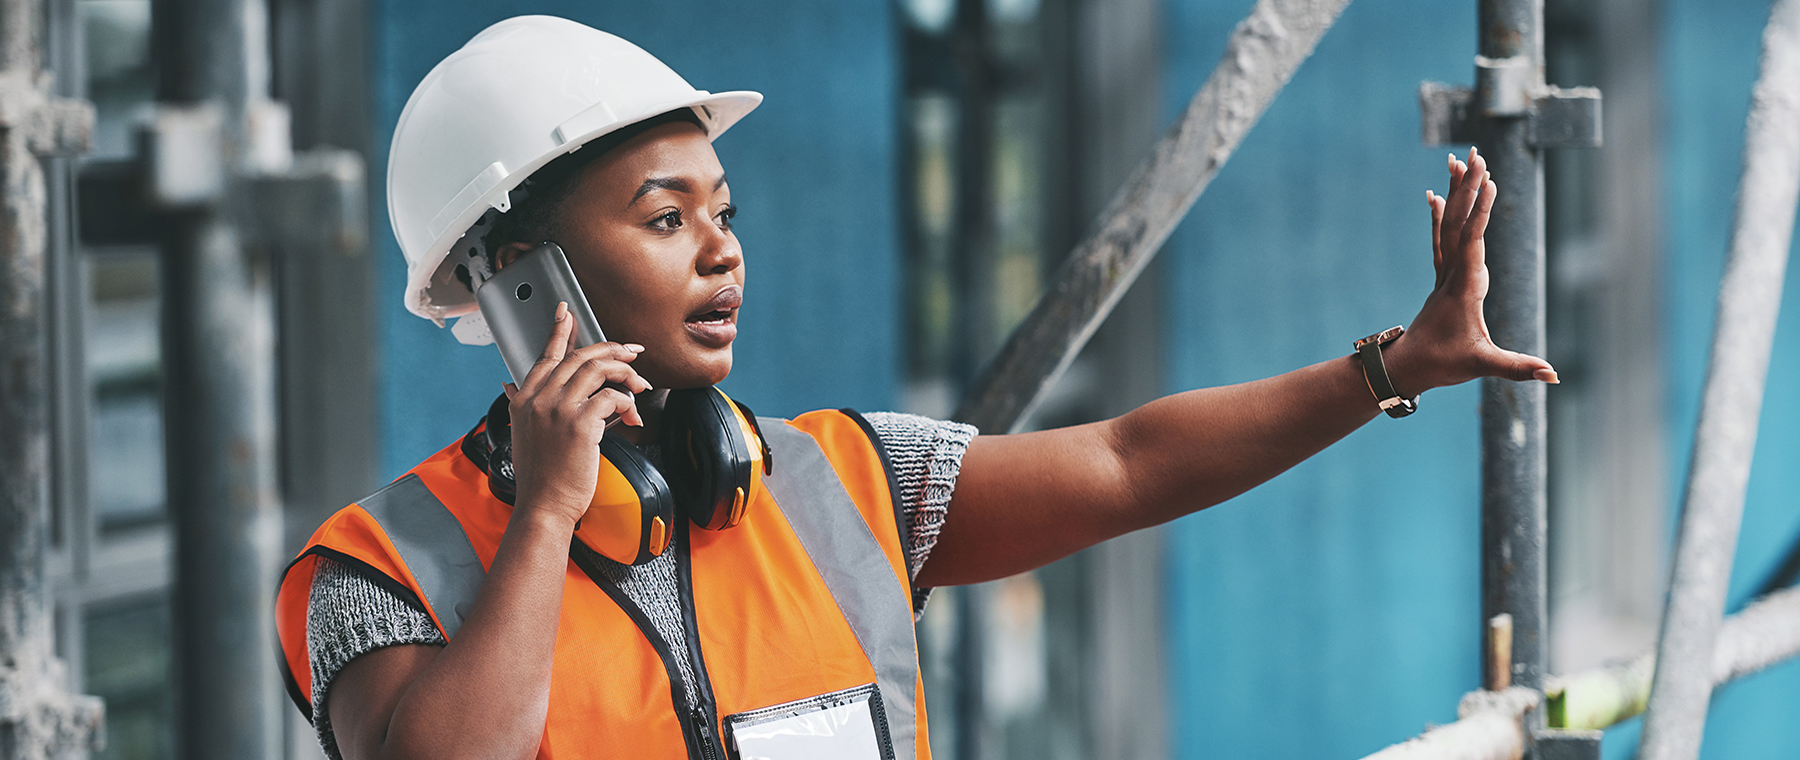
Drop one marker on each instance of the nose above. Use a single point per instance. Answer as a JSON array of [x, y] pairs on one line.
[[719, 250]]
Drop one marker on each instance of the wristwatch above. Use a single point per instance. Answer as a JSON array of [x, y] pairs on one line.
[[1375, 373]]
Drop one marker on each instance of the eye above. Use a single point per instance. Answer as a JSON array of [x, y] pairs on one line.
[[725, 216], [668, 222]]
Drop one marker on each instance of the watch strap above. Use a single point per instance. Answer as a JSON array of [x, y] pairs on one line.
[[1375, 373]]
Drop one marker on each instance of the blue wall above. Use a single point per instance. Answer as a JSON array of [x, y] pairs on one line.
[[814, 170], [1333, 610], [1327, 613]]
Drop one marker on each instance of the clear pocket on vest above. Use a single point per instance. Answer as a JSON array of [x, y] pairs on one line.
[[842, 725]]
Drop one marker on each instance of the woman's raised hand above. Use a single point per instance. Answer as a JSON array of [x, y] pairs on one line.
[[560, 413], [1448, 342]]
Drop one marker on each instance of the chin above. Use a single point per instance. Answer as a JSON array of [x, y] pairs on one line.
[[706, 370], [718, 368]]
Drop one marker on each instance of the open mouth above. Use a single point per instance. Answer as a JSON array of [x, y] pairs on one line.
[[721, 308], [714, 317], [715, 322]]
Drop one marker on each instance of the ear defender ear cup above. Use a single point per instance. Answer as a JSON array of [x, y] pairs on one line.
[[632, 516], [713, 456]]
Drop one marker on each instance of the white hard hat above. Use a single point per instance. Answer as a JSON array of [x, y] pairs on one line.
[[521, 93]]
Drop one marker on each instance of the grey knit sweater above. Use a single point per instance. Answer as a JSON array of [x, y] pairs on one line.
[[348, 615]]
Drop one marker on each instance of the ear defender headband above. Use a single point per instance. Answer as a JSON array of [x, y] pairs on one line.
[[710, 445]]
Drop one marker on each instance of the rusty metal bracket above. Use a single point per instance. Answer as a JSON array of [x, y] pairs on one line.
[[53, 126], [1567, 118], [1559, 117]]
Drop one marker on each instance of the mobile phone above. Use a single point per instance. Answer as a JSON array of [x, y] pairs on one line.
[[519, 304]]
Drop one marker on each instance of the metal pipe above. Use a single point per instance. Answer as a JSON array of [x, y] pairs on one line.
[[1510, 68], [1763, 634], [1262, 54], [1743, 337], [1490, 726], [219, 400], [38, 716]]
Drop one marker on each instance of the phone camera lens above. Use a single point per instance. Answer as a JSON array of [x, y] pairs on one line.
[[524, 291]]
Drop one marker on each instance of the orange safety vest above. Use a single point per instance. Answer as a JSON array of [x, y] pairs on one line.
[[808, 596]]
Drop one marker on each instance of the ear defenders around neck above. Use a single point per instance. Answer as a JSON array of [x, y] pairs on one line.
[[714, 454], [711, 448]]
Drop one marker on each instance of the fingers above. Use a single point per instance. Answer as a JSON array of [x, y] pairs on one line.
[[1518, 367], [1466, 214], [1436, 205], [555, 347], [1464, 188], [1478, 222], [601, 372], [611, 406], [615, 354]]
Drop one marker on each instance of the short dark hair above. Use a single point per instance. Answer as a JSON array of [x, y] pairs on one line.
[[533, 218]]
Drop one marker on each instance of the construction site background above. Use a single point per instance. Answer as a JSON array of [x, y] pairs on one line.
[[918, 170]]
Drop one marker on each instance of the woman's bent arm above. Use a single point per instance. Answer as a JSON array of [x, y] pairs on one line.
[[487, 693]]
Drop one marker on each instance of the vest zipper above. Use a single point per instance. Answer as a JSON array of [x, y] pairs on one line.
[[704, 715], [695, 734], [704, 726]]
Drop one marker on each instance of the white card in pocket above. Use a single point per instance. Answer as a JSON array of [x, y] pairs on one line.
[[842, 725]]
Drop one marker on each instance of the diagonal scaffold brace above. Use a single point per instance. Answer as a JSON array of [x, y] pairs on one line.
[[1264, 51], [1743, 338]]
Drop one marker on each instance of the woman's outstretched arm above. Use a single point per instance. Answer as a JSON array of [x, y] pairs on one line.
[[1023, 501]]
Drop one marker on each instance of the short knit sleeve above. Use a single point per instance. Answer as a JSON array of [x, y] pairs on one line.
[[347, 616], [926, 456]]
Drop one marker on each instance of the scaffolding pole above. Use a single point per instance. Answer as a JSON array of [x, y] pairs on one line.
[[1743, 337], [1264, 51], [1513, 464], [214, 129], [39, 717]]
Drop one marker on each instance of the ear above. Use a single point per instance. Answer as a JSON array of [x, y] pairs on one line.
[[509, 253]]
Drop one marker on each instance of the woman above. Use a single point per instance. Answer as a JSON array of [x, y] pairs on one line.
[[544, 647]]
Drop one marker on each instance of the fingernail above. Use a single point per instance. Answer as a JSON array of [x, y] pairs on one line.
[[562, 310], [634, 348], [1548, 376]]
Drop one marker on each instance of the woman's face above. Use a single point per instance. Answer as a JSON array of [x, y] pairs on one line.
[[647, 229]]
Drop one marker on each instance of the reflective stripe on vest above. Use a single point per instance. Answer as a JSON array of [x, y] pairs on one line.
[[850, 560], [432, 544]]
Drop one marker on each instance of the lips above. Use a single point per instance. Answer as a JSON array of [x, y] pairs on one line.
[[714, 323]]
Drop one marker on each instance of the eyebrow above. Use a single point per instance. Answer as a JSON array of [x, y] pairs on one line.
[[674, 184]]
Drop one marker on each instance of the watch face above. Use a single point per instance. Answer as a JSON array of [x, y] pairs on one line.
[[1382, 338]]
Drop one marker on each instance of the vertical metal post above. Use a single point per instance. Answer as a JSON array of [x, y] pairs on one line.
[[972, 260], [1513, 464], [38, 717], [1513, 115], [218, 382], [1743, 337]]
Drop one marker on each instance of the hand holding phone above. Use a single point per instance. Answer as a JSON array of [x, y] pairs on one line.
[[519, 304]]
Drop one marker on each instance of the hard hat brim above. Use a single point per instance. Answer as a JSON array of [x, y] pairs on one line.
[[432, 289]]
